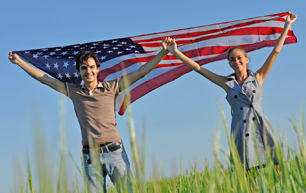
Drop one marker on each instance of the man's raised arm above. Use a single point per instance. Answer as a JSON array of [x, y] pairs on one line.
[[146, 68], [37, 74]]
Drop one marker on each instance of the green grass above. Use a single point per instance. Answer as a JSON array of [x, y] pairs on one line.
[[231, 177]]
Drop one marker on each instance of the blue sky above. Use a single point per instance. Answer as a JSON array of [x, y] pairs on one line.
[[181, 118]]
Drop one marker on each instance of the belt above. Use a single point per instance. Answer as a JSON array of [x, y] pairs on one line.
[[104, 148]]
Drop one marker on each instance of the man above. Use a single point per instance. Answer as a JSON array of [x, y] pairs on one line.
[[94, 104]]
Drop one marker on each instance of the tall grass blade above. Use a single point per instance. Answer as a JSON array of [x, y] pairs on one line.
[[138, 164], [30, 178]]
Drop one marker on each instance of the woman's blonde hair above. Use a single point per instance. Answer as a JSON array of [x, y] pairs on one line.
[[239, 48]]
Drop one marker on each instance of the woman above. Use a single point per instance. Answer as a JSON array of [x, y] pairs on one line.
[[244, 94]]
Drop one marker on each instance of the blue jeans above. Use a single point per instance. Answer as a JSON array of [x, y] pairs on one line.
[[115, 164]]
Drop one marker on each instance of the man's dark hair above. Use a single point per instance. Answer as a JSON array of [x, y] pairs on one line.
[[84, 56]]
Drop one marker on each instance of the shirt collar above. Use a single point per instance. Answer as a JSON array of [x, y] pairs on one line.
[[251, 76], [232, 83], [98, 86]]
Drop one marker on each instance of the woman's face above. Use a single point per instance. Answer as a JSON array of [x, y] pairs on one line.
[[238, 61]]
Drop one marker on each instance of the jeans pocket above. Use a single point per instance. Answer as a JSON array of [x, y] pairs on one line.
[[86, 159]]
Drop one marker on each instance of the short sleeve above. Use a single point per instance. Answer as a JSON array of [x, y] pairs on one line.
[[68, 89], [112, 86]]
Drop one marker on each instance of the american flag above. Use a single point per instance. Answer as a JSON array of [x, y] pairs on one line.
[[203, 44]]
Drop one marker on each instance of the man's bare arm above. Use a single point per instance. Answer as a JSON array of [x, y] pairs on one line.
[[37, 74], [146, 68]]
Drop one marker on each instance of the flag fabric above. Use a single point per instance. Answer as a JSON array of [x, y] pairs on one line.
[[203, 44]]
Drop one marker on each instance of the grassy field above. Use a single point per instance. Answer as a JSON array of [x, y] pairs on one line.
[[220, 178]]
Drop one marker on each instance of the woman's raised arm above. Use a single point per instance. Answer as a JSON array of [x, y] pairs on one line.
[[262, 73], [217, 79]]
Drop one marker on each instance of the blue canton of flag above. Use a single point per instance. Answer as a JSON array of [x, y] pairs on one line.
[[60, 62]]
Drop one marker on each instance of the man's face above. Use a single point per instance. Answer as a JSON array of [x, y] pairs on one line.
[[89, 71]]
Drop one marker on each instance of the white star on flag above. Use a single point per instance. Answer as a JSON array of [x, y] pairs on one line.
[[67, 75], [55, 66], [60, 76], [66, 64], [47, 65]]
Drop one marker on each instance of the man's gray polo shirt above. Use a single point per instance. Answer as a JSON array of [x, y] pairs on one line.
[[95, 110]]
